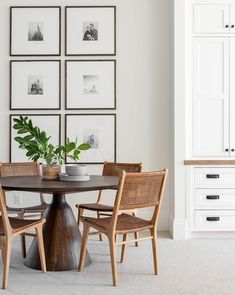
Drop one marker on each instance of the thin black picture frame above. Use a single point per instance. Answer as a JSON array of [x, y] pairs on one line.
[[33, 61], [30, 115], [92, 54], [94, 114], [59, 30], [115, 86]]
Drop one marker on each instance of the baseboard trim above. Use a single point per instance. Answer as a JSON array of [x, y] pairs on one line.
[[180, 229]]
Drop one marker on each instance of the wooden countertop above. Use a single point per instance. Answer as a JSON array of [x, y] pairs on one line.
[[209, 162]]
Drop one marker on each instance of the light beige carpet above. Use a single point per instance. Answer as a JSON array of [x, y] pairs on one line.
[[194, 267]]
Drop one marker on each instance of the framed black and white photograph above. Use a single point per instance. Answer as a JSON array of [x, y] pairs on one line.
[[35, 30], [99, 130], [90, 30], [50, 123], [35, 85], [90, 84]]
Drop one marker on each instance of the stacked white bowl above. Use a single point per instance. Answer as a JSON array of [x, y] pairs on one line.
[[76, 170]]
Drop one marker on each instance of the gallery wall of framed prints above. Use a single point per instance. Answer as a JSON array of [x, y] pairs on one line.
[[89, 80]]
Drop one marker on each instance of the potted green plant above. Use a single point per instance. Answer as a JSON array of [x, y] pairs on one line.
[[38, 147]]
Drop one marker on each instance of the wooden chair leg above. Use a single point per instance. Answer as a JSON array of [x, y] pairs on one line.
[[123, 248], [80, 214], [136, 235], [86, 229], [113, 250], [41, 248], [100, 235], [155, 250], [6, 266]]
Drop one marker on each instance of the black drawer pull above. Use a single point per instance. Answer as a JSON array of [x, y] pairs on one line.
[[212, 197], [212, 218], [212, 176]]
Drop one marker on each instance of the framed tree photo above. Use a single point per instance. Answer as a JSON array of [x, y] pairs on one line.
[[35, 30], [90, 84], [90, 30], [35, 85], [50, 123], [99, 130]]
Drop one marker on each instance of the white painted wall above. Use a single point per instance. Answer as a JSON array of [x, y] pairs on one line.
[[144, 90]]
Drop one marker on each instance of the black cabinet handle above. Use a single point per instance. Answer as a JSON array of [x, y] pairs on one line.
[[227, 26], [212, 218], [226, 150], [212, 197], [212, 176], [232, 26], [232, 150]]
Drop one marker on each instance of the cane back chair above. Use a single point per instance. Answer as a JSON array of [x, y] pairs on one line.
[[135, 190], [23, 169], [12, 227], [109, 169]]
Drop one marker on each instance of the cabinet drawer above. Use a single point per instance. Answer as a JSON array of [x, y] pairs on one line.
[[211, 18], [214, 177], [214, 220], [214, 198]]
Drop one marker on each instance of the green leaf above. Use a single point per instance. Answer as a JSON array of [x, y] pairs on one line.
[[84, 146], [70, 146], [22, 131], [17, 126], [76, 153], [28, 137], [19, 139], [17, 121]]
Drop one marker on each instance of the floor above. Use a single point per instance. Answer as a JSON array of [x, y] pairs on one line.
[[205, 267]]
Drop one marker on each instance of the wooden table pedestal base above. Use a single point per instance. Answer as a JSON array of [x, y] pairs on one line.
[[62, 239]]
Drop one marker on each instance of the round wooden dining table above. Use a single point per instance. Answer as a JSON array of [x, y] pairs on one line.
[[62, 237]]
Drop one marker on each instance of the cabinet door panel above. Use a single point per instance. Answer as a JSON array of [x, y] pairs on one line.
[[211, 18], [211, 96], [232, 19], [232, 96]]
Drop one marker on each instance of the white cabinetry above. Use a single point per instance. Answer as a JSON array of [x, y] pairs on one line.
[[211, 18], [214, 80], [212, 198], [210, 180]]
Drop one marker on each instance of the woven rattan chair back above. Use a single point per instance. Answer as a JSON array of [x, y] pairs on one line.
[[140, 190], [115, 169], [19, 169]]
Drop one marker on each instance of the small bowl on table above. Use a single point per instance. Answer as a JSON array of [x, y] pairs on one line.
[[76, 170]]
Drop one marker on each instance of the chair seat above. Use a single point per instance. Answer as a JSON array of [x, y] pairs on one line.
[[95, 207], [125, 223], [19, 224], [33, 209]]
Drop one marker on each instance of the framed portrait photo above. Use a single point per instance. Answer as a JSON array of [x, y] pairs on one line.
[[50, 123], [90, 84], [99, 130], [35, 85], [90, 30], [35, 30]]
